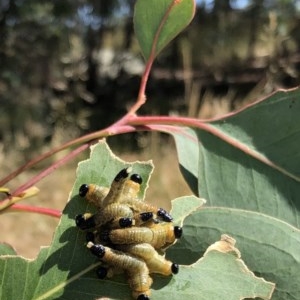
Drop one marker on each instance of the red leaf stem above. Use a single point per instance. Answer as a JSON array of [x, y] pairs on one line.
[[50, 169], [190, 122], [89, 138], [35, 209], [141, 99]]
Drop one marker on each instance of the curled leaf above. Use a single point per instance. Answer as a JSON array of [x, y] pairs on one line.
[[30, 192]]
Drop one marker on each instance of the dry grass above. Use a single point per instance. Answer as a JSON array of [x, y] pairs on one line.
[[26, 232]]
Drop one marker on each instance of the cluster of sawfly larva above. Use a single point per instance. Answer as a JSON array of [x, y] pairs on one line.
[[127, 234]]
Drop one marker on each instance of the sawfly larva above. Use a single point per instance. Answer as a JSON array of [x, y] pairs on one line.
[[160, 235], [110, 217], [93, 193], [101, 196], [135, 269], [156, 263], [134, 230], [122, 191]]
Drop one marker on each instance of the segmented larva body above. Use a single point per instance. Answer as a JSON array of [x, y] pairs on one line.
[[108, 217], [131, 188], [136, 269], [116, 191], [159, 235], [103, 196], [94, 193], [123, 191], [117, 223], [140, 284], [155, 262], [111, 215], [120, 203]]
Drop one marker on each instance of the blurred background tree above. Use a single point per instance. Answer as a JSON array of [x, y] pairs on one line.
[[71, 67]]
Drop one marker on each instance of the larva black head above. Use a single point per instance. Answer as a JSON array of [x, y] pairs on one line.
[[178, 232], [83, 190], [146, 216], [104, 236], [84, 223], [98, 250], [125, 222], [136, 178], [143, 297], [164, 215], [90, 237], [175, 268], [101, 272], [122, 174]]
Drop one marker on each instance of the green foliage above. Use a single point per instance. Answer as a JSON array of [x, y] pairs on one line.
[[157, 22], [6, 249], [67, 261], [65, 269], [216, 276], [246, 167], [269, 246], [249, 160]]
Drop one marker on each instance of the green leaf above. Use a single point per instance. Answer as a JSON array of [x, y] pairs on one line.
[[220, 274], [249, 159], [183, 206], [187, 144], [20, 276], [6, 249], [65, 270], [67, 262], [269, 246], [157, 22]]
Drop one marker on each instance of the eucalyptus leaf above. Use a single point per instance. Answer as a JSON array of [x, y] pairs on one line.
[[220, 274], [248, 159], [157, 22], [269, 247], [6, 249]]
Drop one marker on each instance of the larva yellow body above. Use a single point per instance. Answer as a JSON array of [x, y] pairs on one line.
[[160, 235], [121, 207], [136, 269], [131, 189], [110, 215], [113, 216], [121, 190], [155, 262], [134, 230], [94, 193], [102, 196], [117, 187]]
